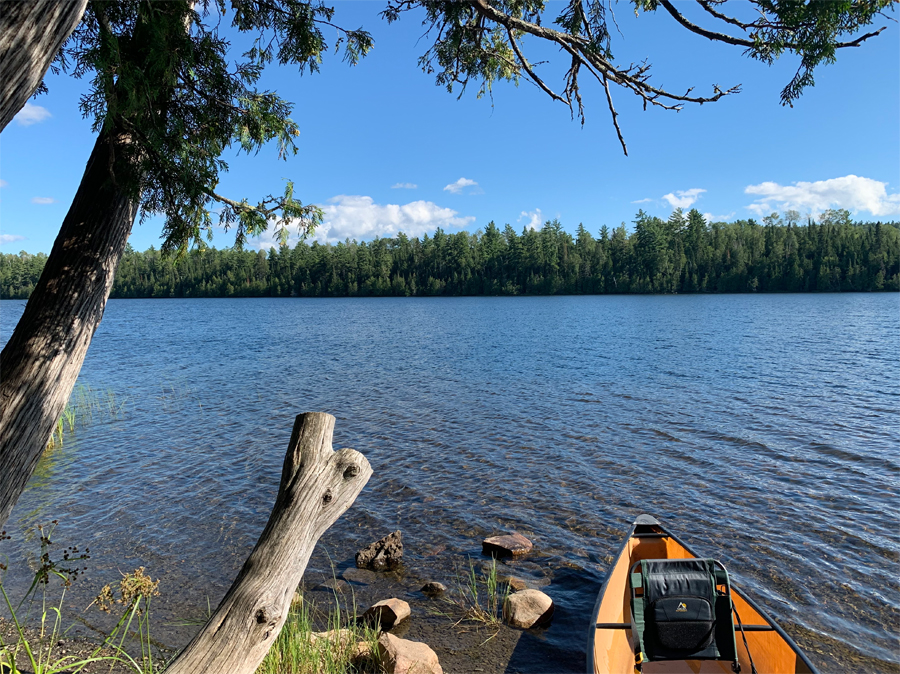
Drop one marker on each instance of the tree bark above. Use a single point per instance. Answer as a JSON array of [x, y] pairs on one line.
[[317, 486], [31, 33], [42, 359]]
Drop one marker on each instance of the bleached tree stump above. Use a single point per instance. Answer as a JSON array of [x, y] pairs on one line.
[[317, 486]]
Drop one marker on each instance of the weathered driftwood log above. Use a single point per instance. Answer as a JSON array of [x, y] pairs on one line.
[[31, 33], [317, 486]]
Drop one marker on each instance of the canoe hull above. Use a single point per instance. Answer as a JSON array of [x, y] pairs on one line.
[[609, 642]]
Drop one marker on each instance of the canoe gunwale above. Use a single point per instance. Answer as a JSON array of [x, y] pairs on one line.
[[665, 532], [593, 627]]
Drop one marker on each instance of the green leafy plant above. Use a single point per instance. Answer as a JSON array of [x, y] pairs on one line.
[[38, 650]]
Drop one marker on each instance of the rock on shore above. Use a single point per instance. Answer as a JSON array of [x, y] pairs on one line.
[[509, 545], [382, 555], [387, 613], [400, 656], [433, 589], [528, 608]]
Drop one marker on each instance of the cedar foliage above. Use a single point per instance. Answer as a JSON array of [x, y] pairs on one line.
[[683, 254]]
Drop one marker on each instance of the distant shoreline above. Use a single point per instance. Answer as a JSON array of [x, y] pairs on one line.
[[522, 296], [683, 255]]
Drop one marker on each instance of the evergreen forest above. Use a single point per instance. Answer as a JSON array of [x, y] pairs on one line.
[[683, 254]]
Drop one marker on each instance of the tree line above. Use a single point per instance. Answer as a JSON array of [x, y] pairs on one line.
[[683, 254]]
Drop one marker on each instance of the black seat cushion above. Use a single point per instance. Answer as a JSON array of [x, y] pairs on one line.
[[680, 596]]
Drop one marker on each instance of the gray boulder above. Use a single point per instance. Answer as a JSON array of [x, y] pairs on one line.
[[382, 555], [433, 589]]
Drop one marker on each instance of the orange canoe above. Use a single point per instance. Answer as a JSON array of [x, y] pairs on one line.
[[611, 649]]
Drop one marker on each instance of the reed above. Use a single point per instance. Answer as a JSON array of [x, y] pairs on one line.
[[69, 418], [479, 598], [300, 650], [56, 436], [85, 406]]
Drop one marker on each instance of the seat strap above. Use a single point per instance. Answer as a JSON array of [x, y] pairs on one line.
[[746, 645], [637, 620]]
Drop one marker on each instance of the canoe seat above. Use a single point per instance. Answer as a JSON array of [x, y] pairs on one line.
[[681, 610]]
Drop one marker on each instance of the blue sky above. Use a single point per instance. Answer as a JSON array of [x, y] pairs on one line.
[[383, 149]]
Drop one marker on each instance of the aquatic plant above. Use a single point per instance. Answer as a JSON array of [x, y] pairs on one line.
[[471, 604], [135, 591], [85, 406], [42, 652]]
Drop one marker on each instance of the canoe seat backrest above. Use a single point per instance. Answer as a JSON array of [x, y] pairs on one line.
[[678, 611]]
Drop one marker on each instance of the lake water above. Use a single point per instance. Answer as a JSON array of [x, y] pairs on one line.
[[763, 429]]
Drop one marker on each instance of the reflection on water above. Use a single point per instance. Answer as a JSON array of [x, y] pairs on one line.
[[762, 428]]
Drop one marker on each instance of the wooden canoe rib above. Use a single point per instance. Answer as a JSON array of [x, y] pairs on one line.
[[610, 648]]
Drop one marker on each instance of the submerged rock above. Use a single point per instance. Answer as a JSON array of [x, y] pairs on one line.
[[517, 583], [433, 589], [528, 608], [509, 545], [332, 585], [387, 613], [382, 555], [361, 576], [400, 656]]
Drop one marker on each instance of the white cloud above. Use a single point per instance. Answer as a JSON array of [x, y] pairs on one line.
[[462, 184], [851, 192], [535, 218], [683, 198], [404, 186], [360, 218], [643, 201], [3, 183], [32, 114], [709, 217], [43, 200], [9, 238]]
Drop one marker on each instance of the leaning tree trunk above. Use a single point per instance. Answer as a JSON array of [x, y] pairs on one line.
[[31, 33], [317, 486], [42, 359]]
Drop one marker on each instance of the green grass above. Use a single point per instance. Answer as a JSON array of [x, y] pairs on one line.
[[298, 651], [478, 598], [86, 406]]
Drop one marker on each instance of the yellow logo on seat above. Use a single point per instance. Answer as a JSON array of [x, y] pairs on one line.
[[682, 608]]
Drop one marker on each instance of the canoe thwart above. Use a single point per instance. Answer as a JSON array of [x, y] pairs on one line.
[[650, 535]]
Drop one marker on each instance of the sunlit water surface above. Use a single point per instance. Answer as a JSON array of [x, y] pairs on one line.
[[764, 429]]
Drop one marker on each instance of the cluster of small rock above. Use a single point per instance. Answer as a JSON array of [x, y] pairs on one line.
[[524, 608]]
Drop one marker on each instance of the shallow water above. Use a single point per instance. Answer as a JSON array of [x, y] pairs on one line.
[[764, 429]]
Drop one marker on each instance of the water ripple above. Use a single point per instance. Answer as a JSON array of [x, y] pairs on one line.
[[764, 428]]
